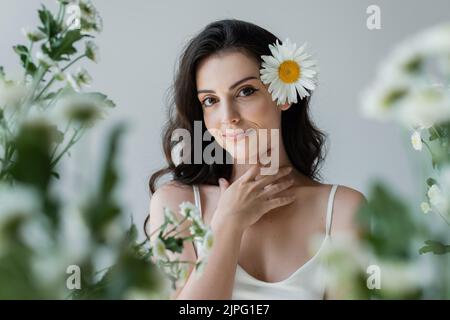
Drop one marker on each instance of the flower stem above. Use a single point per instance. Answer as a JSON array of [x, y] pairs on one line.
[[72, 62], [174, 228], [54, 77], [443, 217], [72, 141]]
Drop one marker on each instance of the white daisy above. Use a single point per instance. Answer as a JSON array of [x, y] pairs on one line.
[[159, 249], [188, 210], [288, 70]]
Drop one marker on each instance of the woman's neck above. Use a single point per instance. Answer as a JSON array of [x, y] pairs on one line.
[[278, 160]]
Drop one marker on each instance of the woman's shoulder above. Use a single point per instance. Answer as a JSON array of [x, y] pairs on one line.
[[347, 201], [172, 192], [169, 195]]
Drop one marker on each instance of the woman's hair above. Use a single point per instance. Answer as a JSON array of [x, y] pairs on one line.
[[302, 140]]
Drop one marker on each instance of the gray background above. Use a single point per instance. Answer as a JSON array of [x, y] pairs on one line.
[[142, 40]]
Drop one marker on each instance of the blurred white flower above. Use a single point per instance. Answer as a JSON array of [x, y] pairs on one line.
[[159, 249], [170, 216], [83, 77], [437, 199], [17, 201], [79, 79], [33, 36], [189, 210], [380, 101], [435, 39], [411, 85], [90, 17], [424, 107], [80, 107], [92, 51], [11, 93], [425, 207], [35, 233], [400, 278], [416, 140], [74, 235], [208, 242]]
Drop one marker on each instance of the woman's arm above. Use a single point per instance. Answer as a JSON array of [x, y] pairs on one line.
[[217, 278]]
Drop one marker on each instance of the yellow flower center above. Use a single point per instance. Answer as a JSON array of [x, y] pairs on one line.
[[289, 71]]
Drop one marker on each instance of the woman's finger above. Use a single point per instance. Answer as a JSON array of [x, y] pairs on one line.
[[266, 180], [251, 173], [272, 189], [279, 202]]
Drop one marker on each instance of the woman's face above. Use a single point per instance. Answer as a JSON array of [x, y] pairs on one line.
[[236, 104]]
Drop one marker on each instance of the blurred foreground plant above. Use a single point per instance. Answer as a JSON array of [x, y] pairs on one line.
[[52, 247], [412, 88]]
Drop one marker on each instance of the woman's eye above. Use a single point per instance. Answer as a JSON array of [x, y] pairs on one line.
[[247, 91], [205, 102]]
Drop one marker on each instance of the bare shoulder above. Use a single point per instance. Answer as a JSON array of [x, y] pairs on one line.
[[170, 195], [346, 204]]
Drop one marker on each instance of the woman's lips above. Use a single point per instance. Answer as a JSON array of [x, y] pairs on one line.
[[236, 135]]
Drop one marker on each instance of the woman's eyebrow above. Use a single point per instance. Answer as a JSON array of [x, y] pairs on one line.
[[232, 86]]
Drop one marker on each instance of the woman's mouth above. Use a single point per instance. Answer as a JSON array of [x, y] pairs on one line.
[[236, 134]]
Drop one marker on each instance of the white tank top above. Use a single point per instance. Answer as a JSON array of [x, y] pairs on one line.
[[306, 283]]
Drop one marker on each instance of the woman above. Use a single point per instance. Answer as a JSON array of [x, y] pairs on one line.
[[263, 224]]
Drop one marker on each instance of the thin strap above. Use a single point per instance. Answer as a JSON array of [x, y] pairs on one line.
[[198, 202], [330, 209]]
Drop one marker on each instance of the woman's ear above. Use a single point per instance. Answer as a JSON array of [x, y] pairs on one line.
[[285, 106]]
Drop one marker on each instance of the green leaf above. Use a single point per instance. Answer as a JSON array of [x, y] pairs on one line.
[[433, 134], [104, 207], [435, 247], [2, 73], [102, 97], [173, 244], [132, 233], [26, 59], [387, 224], [60, 48], [49, 24], [33, 143]]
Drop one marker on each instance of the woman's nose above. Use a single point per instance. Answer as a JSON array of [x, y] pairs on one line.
[[229, 113]]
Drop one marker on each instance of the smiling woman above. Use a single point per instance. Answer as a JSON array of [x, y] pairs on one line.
[[262, 224]]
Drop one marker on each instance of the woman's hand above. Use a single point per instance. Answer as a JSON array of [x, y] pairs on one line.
[[251, 196]]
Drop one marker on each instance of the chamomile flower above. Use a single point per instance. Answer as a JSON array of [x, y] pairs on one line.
[[92, 51], [188, 210], [33, 36], [159, 249], [288, 71]]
